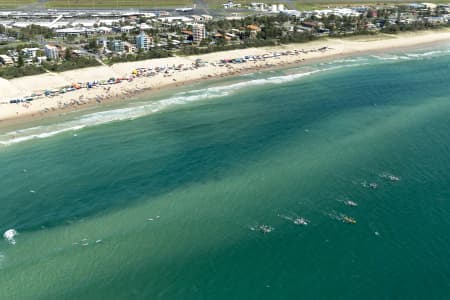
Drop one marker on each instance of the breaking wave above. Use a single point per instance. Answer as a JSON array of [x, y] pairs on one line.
[[144, 108], [140, 109], [412, 56]]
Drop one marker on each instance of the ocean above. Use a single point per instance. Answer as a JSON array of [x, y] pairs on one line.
[[240, 188]]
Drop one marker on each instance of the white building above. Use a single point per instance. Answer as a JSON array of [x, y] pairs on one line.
[[75, 31], [202, 18], [30, 52], [51, 52], [6, 60], [230, 4], [198, 32], [207, 18], [259, 6], [127, 29]]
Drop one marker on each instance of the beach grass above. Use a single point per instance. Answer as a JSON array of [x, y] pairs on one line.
[[117, 3]]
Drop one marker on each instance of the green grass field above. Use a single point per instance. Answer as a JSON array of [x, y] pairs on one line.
[[117, 3], [212, 4], [309, 4], [6, 4]]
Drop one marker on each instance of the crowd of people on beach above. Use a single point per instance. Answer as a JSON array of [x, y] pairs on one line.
[[150, 71]]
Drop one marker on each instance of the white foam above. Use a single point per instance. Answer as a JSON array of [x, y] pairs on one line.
[[9, 236], [347, 60], [410, 56], [429, 53], [147, 108], [42, 135], [392, 57]]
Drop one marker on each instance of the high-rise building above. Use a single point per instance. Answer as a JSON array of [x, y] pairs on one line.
[[198, 32], [51, 52], [143, 41], [117, 46]]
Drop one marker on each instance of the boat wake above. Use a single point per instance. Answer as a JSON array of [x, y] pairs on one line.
[[296, 220], [262, 228], [389, 176]]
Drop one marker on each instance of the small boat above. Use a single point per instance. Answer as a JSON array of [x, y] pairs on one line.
[[393, 178], [370, 185], [266, 229], [390, 176], [301, 221], [348, 220], [373, 185], [350, 203]]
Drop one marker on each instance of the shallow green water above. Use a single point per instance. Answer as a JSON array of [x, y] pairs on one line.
[[160, 199]]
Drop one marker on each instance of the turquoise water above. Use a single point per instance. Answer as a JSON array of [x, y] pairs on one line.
[[163, 198]]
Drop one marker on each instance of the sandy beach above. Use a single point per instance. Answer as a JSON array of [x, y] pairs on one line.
[[159, 73]]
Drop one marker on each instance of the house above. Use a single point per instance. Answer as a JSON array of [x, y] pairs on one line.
[[145, 26], [187, 32], [104, 30], [128, 47], [126, 29], [6, 60], [254, 28], [197, 18], [230, 4], [207, 18], [41, 59]]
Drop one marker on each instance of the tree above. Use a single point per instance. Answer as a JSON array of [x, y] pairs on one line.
[[92, 45], [20, 62], [68, 54]]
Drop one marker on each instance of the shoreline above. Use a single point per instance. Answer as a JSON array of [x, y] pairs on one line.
[[294, 55]]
